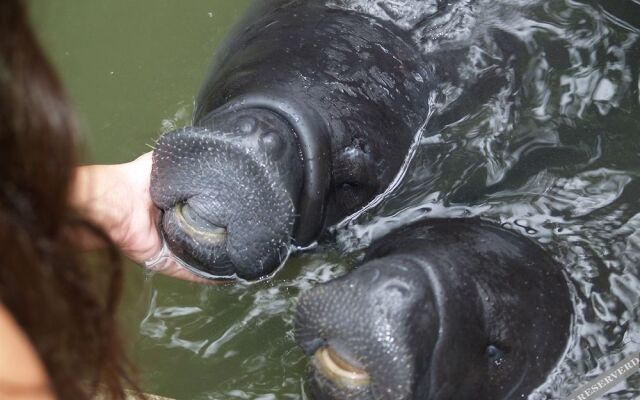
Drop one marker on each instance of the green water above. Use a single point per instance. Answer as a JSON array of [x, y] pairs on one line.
[[129, 66], [560, 165]]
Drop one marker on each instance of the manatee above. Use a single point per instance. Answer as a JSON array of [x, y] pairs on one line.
[[440, 309], [307, 114]]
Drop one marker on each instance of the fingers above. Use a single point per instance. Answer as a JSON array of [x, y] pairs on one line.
[[164, 263]]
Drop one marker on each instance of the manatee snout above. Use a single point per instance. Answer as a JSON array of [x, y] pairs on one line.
[[228, 189], [368, 333]]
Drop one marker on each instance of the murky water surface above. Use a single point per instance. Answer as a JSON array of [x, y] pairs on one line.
[[539, 131]]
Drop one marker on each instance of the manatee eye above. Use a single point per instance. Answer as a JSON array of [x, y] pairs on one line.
[[356, 179], [246, 124], [349, 187], [493, 353], [351, 196], [273, 144]]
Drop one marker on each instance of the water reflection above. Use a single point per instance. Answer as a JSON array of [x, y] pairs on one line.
[[536, 129]]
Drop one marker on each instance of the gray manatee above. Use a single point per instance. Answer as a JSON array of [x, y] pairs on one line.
[[439, 310], [307, 114]]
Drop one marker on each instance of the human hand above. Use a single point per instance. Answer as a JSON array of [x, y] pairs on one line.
[[117, 199]]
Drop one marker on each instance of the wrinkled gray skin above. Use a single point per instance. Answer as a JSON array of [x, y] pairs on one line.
[[306, 116], [442, 309]]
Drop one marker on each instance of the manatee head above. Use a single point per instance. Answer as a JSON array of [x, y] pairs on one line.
[[229, 189], [394, 329]]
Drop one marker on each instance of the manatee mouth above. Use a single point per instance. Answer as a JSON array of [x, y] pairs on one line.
[[198, 244], [199, 228], [338, 370]]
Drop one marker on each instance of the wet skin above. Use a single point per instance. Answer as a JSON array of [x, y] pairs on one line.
[[307, 114], [442, 309]]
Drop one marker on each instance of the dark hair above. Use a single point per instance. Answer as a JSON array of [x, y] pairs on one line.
[[66, 307]]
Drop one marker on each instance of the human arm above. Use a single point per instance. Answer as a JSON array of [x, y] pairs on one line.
[[22, 375]]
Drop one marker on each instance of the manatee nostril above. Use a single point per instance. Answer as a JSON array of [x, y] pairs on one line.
[[273, 145], [247, 125], [398, 289], [374, 274]]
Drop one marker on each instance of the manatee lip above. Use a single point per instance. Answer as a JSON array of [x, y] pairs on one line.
[[338, 370], [197, 227]]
